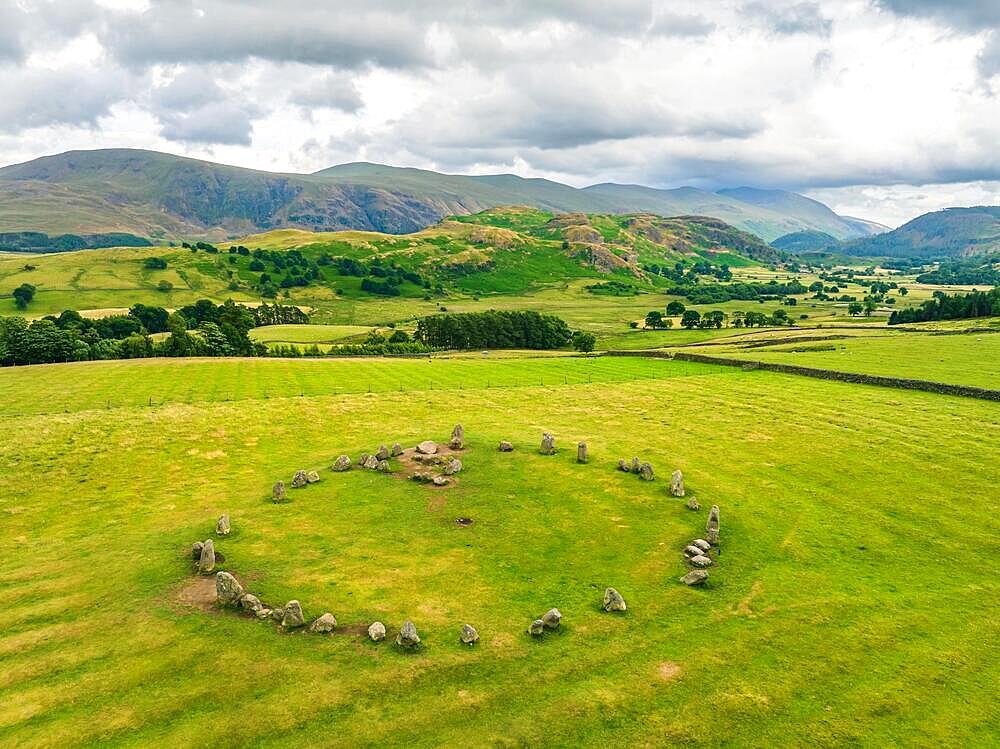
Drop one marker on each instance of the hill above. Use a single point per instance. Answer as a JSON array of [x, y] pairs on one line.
[[814, 214], [168, 197], [953, 232], [806, 241]]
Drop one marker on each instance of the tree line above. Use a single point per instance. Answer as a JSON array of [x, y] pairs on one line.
[[493, 329], [951, 307]]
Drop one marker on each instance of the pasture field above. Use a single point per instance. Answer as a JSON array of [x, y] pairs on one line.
[[308, 334], [853, 602], [967, 359]]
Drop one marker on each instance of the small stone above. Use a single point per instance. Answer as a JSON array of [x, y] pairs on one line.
[[581, 452], [457, 441], [249, 602], [223, 527], [505, 447], [341, 464], [693, 551], [701, 561], [227, 588], [613, 600], [362, 459], [396, 450], [312, 477], [623, 465], [677, 484], [382, 453], [206, 562], [701, 544], [548, 446], [453, 466], [551, 619], [636, 465], [324, 624], [291, 615], [408, 636], [383, 466], [422, 477], [427, 447], [299, 479], [376, 631], [371, 463], [713, 537], [695, 577], [277, 613], [196, 548], [536, 628], [278, 493], [692, 503], [646, 472], [469, 634], [439, 481], [264, 613]]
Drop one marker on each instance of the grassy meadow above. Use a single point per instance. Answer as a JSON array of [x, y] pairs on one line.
[[849, 605]]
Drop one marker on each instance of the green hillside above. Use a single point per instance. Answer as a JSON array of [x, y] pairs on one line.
[[168, 197], [806, 241], [952, 232]]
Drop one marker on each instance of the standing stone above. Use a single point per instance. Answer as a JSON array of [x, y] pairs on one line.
[[505, 446], [581, 452], [701, 561], [692, 503], [536, 628], [677, 484], [427, 447], [713, 519], [613, 600], [623, 465], [362, 459], [343, 463], [551, 619], [469, 634], [397, 449], [291, 615], [382, 453], [371, 463], [324, 624], [206, 562], [408, 636], [312, 477], [646, 472], [376, 631], [457, 441], [196, 548], [695, 577], [227, 589], [548, 444], [223, 527], [636, 465], [278, 493], [299, 479], [713, 537]]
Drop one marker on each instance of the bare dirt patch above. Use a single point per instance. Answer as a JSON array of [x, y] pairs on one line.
[[198, 593], [668, 671]]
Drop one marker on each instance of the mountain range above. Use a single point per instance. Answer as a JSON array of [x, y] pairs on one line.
[[167, 197]]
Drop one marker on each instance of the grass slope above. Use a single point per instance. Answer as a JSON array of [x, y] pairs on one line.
[[848, 607]]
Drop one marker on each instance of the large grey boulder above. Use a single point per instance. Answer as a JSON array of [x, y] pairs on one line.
[[453, 466], [701, 561], [469, 635], [646, 472], [536, 628], [382, 453], [341, 464], [397, 450], [376, 631], [701, 544], [457, 441], [223, 526], [408, 637], [551, 619], [312, 477], [695, 577], [505, 446], [427, 447], [227, 589], [299, 479], [278, 493], [371, 463], [249, 602], [613, 600], [291, 615], [548, 446], [206, 562], [581, 452], [326, 623], [677, 484]]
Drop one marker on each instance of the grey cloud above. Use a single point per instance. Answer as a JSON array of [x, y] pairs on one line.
[[960, 14], [36, 98], [989, 58], [799, 18], [186, 91], [680, 25], [11, 20], [221, 123], [334, 91]]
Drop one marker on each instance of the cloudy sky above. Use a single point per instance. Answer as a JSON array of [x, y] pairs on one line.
[[884, 109]]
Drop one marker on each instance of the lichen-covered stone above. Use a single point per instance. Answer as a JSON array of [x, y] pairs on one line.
[[427, 447], [453, 466], [505, 446], [457, 441], [312, 477], [548, 446], [396, 450], [581, 452], [223, 526], [469, 635], [692, 503], [552, 618], [206, 562], [371, 463], [278, 493], [677, 484], [636, 465], [623, 465], [291, 615], [693, 551], [299, 479], [439, 481], [376, 631], [196, 548], [382, 453], [695, 577], [713, 537], [383, 466], [227, 589], [701, 544], [536, 628], [324, 624], [613, 600], [701, 561], [408, 636], [713, 519], [646, 472], [250, 602], [342, 463]]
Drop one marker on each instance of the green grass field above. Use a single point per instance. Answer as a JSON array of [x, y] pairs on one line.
[[853, 604]]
